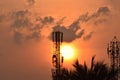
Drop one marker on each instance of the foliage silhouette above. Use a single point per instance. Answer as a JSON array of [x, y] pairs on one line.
[[96, 71]]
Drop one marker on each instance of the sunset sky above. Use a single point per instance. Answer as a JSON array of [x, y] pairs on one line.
[[25, 33]]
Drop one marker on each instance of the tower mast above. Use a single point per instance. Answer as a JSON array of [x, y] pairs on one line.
[[114, 55], [57, 58]]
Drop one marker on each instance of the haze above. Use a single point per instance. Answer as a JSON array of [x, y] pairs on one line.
[[26, 26]]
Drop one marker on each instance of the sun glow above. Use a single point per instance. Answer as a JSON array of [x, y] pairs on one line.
[[67, 52]]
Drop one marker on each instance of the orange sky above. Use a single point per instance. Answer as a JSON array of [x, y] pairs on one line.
[[25, 47]]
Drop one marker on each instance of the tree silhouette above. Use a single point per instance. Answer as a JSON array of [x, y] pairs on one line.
[[65, 74], [97, 71]]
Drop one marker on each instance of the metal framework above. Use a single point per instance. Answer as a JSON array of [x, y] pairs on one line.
[[57, 58], [114, 55]]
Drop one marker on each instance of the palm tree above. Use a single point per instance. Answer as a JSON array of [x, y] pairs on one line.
[[97, 71], [65, 74]]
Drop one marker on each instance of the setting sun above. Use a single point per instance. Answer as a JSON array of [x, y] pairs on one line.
[[67, 52]]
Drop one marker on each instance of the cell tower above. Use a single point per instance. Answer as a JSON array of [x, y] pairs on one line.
[[114, 55], [57, 58]]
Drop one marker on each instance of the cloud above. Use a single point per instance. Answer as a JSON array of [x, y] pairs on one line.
[[44, 21], [47, 20], [70, 33], [98, 21], [18, 37], [27, 26], [34, 35], [102, 11], [21, 19], [88, 36], [23, 27], [81, 33], [75, 31], [75, 25]]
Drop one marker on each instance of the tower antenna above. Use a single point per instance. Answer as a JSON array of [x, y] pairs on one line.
[[57, 58], [113, 51]]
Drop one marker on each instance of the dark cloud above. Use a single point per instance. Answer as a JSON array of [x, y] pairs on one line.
[[99, 21], [60, 21], [18, 37], [25, 26], [21, 19], [80, 33], [47, 20], [102, 11], [75, 25], [71, 32], [88, 36], [34, 35]]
